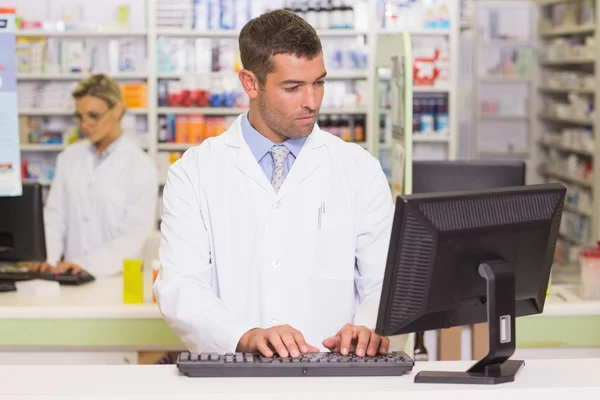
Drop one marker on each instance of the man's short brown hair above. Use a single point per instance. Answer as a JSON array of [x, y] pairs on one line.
[[276, 32]]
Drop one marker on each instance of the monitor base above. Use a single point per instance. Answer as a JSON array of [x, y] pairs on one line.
[[506, 373]]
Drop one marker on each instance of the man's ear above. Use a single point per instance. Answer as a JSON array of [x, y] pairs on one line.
[[249, 83]]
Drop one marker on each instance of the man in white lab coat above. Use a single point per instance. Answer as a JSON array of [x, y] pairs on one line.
[[275, 233], [102, 203]]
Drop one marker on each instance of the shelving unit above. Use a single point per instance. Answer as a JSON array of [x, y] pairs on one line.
[[503, 92], [431, 143], [568, 147]]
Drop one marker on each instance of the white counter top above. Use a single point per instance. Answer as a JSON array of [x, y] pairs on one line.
[[100, 299], [103, 299], [550, 379], [564, 300]]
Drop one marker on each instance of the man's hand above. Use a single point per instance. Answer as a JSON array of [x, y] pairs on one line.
[[283, 340], [358, 339]]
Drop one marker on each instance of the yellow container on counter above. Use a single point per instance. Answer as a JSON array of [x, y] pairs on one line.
[[133, 281]]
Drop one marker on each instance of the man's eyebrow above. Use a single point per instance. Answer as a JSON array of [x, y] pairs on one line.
[[296, 82]]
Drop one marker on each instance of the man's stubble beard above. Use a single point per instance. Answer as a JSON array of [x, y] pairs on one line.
[[275, 120]]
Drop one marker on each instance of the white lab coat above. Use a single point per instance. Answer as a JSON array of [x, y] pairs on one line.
[[235, 255], [99, 212]]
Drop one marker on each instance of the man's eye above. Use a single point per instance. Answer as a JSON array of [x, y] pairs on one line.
[[291, 89], [320, 83]]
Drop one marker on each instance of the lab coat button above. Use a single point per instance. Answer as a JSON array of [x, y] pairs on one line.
[[278, 205], [276, 264], [274, 322]]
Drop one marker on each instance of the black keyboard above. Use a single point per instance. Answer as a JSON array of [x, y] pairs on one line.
[[316, 364], [7, 287], [63, 279]]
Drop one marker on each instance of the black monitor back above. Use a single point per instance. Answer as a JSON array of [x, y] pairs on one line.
[[22, 236], [449, 176], [439, 240]]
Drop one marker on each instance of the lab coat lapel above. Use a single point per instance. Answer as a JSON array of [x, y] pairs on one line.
[[307, 162], [243, 158]]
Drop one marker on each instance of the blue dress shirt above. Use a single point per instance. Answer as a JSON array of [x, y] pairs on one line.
[[260, 146]]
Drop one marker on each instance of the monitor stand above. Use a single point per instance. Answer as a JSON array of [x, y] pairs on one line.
[[495, 367]]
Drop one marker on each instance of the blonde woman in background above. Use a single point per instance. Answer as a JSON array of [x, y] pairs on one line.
[[102, 203]]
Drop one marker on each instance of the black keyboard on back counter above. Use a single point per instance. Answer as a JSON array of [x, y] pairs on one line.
[[15, 274], [7, 287], [316, 364]]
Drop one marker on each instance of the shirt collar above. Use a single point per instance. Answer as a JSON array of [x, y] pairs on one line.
[[108, 151], [260, 145]]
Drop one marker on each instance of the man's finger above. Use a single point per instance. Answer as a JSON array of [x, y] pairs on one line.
[[299, 338], [290, 343], [332, 343], [277, 344], [346, 335], [263, 348], [374, 344], [384, 345], [363, 341]]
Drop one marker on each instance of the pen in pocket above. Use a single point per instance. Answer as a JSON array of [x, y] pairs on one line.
[[321, 212]]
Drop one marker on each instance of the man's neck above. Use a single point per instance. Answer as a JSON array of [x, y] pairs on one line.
[[261, 127], [104, 144]]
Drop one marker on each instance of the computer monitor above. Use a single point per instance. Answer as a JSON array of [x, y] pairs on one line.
[[449, 176], [22, 236], [462, 258]]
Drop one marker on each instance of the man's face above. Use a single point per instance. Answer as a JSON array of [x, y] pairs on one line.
[[290, 99]]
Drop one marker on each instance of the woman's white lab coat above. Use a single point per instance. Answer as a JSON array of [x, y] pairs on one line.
[[236, 255], [101, 210]]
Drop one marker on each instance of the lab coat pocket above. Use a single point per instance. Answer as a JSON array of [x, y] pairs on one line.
[[334, 256]]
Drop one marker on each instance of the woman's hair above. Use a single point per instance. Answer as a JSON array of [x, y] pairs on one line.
[[100, 86]]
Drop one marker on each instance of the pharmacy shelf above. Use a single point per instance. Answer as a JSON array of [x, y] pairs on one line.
[[345, 74], [552, 2], [422, 138], [225, 111], [575, 210], [565, 178], [571, 239], [431, 89], [583, 64], [46, 112], [565, 90], [175, 146], [83, 33], [77, 76], [566, 120], [504, 154], [344, 111], [499, 117], [68, 112], [569, 30], [574, 61], [566, 149], [44, 183], [137, 111], [42, 147], [504, 79], [506, 43], [222, 33], [370, 34], [419, 32], [492, 79]]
